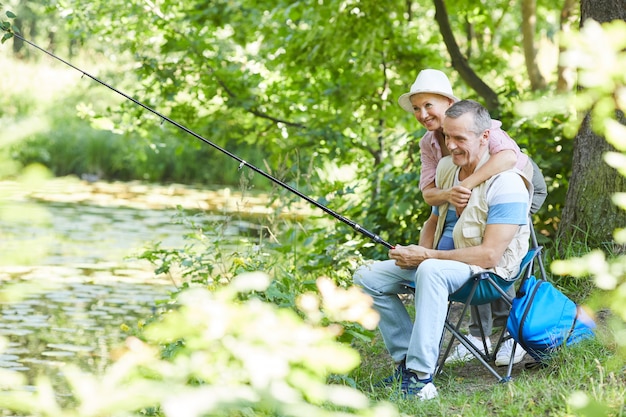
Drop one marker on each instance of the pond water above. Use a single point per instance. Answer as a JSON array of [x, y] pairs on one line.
[[72, 254]]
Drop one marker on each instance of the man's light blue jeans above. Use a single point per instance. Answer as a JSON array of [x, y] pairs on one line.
[[416, 341]]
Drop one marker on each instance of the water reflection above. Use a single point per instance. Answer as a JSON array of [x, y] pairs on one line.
[[73, 318], [86, 291], [62, 234]]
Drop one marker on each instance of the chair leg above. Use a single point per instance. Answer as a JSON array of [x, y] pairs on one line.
[[511, 360], [454, 326], [455, 332], [478, 355], [533, 240], [488, 356]]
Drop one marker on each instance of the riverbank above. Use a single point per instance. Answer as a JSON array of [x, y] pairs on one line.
[[139, 195]]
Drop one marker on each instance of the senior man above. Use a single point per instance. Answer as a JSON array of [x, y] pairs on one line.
[[491, 234]]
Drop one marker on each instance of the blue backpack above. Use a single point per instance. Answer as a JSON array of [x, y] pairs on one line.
[[542, 319]]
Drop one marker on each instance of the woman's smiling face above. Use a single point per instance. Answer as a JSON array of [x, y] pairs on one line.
[[429, 109]]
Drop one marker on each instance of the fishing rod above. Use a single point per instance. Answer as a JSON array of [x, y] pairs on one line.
[[242, 163]]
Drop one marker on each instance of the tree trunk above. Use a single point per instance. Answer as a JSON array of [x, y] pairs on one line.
[[566, 76], [529, 23], [469, 34], [602, 10], [589, 215], [459, 62]]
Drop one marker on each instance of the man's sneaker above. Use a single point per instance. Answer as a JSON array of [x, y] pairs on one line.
[[412, 386], [395, 377], [504, 354], [462, 354]]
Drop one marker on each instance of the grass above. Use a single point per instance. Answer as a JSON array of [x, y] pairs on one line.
[[470, 390]]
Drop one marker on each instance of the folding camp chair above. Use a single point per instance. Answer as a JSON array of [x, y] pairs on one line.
[[483, 288]]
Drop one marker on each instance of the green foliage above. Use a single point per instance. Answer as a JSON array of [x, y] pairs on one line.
[[602, 94], [81, 147], [237, 357], [210, 257], [285, 84], [6, 26]]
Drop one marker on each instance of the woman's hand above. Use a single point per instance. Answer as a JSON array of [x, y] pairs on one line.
[[458, 196]]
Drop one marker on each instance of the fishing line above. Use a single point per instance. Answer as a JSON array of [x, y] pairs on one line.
[[242, 163]]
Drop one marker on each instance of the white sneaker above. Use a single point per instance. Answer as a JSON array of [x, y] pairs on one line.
[[428, 392], [504, 354], [412, 386], [461, 354]]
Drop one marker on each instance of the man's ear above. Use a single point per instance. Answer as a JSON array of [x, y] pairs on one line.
[[485, 137]]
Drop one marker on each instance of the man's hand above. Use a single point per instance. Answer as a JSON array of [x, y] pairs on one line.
[[408, 257]]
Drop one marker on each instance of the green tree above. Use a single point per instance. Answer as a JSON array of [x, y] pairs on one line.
[[460, 62], [529, 20], [311, 87], [589, 214]]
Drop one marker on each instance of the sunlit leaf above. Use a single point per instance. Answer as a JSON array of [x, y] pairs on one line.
[[615, 133], [620, 198], [6, 37], [593, 262], [586, 406], [620, 234]]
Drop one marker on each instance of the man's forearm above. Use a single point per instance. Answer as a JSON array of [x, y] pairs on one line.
[[496, 239], [474, 255]]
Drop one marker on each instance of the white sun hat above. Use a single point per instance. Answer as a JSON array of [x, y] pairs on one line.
[[428, 81]]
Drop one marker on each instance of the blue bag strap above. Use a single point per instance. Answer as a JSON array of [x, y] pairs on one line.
[[526, 267]]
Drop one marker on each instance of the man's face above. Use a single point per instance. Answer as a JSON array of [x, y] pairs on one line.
[[464, 145], [429, 109]]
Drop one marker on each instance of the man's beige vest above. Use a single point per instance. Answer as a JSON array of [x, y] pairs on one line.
[[470, 228]]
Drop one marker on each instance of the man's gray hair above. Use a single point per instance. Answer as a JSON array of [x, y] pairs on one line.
[[482, 119]]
